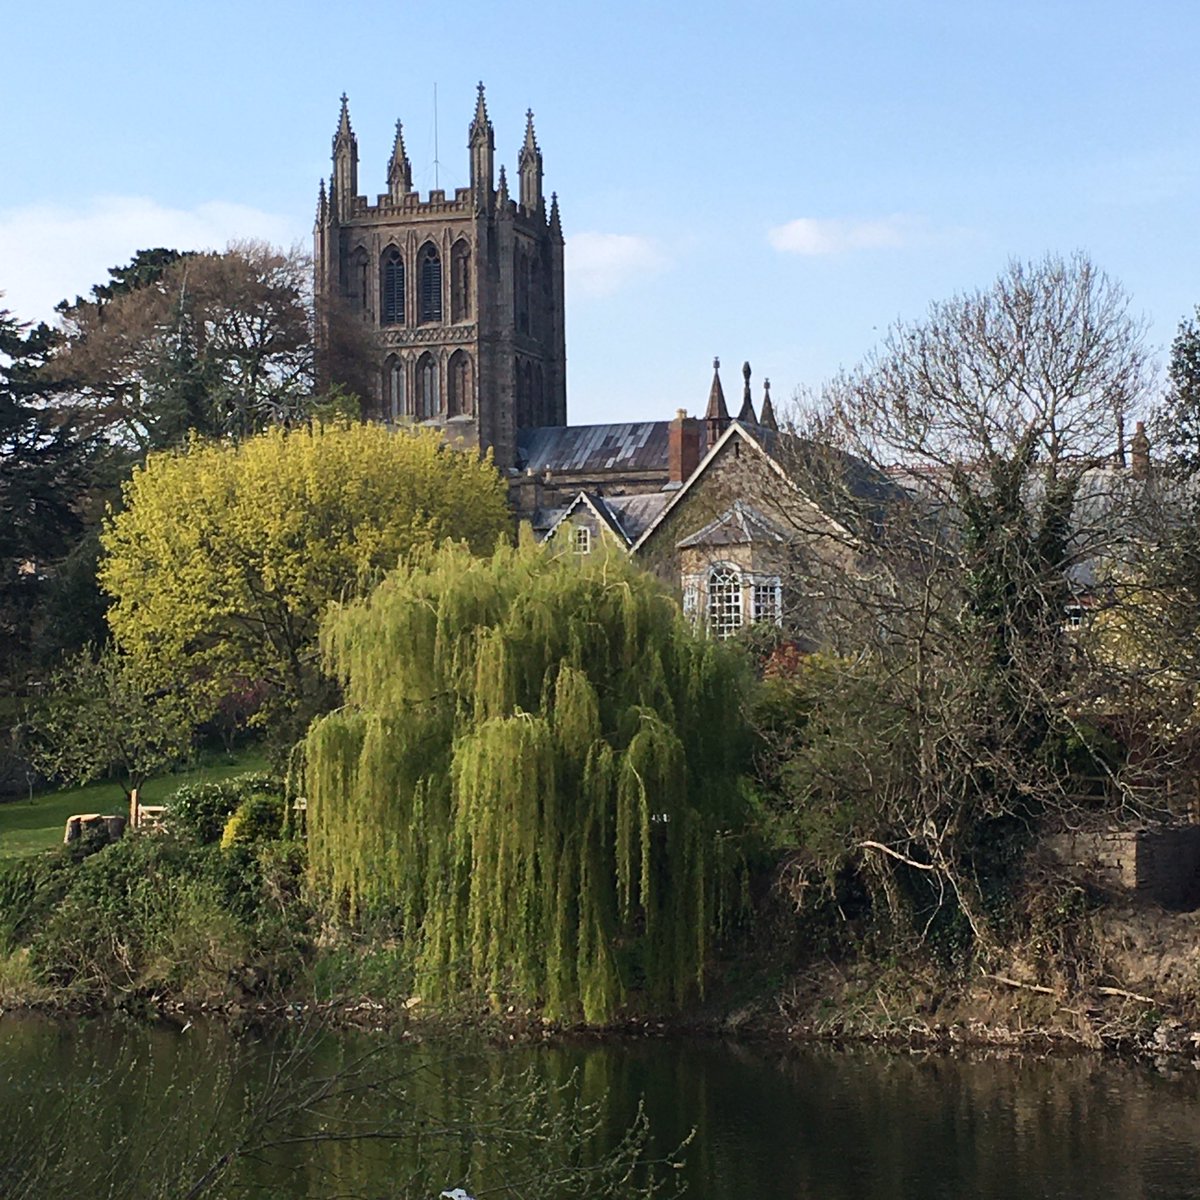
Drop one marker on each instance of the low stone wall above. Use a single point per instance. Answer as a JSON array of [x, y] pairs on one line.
[[1159, 864]]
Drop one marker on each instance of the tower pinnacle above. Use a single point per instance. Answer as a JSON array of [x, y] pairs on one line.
[[399, 168], [481, 141], [343, 182], [529, 167]]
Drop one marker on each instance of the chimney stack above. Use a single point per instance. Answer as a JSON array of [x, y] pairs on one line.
[[683, 448], [1139, 448]]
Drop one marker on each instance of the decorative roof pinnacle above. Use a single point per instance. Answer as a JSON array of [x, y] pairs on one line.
[[746, 413], [530, 136], [555, 219], [716, 396], [502, 191], [766, 415]]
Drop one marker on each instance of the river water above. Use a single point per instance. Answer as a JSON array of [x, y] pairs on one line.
[[110, 1108]]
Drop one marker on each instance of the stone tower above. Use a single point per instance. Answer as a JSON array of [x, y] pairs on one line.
[[461, 298]]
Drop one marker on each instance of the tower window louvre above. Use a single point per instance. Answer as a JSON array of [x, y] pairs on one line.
[[431, 286], [392, 306]]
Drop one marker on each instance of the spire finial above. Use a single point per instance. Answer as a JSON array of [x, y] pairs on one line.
[[530, 136], [344, 127], [502, 192]]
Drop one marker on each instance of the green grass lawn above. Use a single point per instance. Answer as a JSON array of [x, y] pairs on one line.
[[37, 824]]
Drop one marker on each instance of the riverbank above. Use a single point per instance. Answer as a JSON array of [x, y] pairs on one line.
[[902, 1005]]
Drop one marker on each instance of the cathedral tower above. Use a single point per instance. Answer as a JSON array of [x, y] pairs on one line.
[[461, 298]]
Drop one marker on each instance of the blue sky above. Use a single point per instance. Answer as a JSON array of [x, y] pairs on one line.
[[766, 181]]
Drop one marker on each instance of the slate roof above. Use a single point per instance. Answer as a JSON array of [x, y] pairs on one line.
[[626, 516], [587, 449]]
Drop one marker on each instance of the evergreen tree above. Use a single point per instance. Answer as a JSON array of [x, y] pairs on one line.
[[43, 473]]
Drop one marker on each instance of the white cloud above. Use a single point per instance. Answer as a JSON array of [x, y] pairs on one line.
[[50, 253], [815, 236], [598, 264]]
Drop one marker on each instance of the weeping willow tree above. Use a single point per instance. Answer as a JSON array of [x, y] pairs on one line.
[[536, 778]]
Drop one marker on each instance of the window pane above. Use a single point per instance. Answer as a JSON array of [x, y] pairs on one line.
[[724, 601]]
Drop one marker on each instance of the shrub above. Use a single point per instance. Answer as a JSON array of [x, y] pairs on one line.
[[200, 811], [259, 818]]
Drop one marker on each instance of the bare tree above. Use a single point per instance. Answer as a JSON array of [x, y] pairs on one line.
[[969, 709]]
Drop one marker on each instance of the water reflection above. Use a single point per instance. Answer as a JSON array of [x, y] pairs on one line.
[[792, 1124]]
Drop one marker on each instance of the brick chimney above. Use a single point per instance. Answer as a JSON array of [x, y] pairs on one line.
[[683, 447], [1139, 452]]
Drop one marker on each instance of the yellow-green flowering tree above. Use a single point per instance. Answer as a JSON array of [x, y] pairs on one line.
[[224, 556], [536, 778]]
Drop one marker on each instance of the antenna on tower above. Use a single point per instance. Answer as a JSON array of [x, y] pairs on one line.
[[436, 164]]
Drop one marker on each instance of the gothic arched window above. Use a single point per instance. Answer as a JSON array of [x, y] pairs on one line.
[[391, 306], [394, 392], [460, 281], [357, 286], [429, 396], [430, 277], [462, 385], [724, 600]]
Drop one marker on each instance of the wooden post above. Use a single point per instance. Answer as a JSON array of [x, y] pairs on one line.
[[134, 822]]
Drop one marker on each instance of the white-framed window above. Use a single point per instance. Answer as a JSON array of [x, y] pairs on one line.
[[1073, 617], [691, 597], [581, 539], [767, 600], [725, 613]]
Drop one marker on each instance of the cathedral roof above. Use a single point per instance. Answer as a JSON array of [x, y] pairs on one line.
[[586, 449]]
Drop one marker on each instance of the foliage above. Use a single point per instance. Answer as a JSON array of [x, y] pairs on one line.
[[102, 715], [151, 912], [219, 344], [225, 556], [537, 776], [258, 818], [200, 810]]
